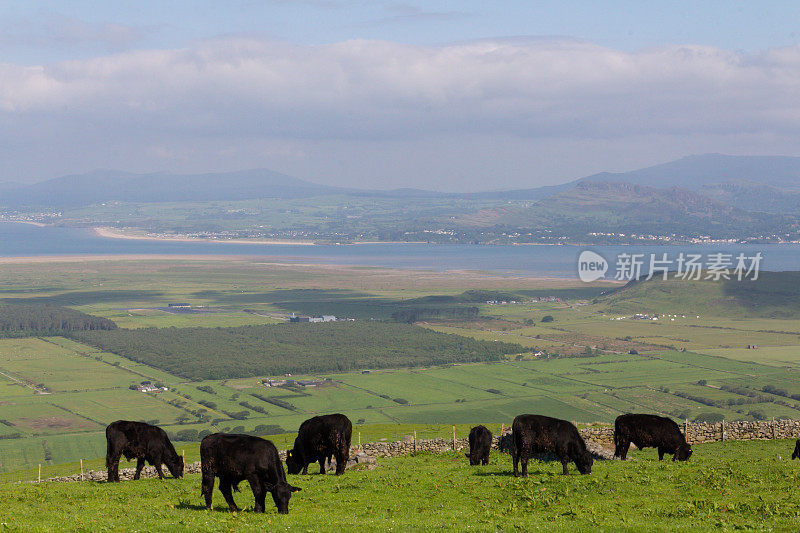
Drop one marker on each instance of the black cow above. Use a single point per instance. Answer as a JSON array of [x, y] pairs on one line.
[[650, 431], [796, 453], [318, 439], [542, 434], [234, 458], [145, 443], [480, 442]]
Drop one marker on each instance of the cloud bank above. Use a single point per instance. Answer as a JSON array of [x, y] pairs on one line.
[[387, 112]]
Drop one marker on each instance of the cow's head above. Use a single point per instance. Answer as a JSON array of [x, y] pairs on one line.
[[281, 492], [683, 453], [175, 465], [796, 453], [474, 460], [294, 463], [584, 463]]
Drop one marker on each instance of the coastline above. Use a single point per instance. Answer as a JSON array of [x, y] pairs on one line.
[[31, 222], [113, 233]]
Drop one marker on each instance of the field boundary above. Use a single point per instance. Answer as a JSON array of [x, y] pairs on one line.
[[599, 438]]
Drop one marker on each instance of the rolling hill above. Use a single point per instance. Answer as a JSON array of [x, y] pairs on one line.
[[772, 295], [629, 208], [109, 186]]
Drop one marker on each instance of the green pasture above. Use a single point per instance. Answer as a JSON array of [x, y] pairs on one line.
[[147, 318], [783, 356], [725, 486]]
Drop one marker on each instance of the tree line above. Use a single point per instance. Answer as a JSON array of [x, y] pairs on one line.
[[19, 320], [224, 353]]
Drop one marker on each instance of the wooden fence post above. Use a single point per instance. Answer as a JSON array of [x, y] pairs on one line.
[[82, 470], [40, 473], [686, 429], [723, 430], [359, 439], [773, 428], [415, 441], [454, 437]]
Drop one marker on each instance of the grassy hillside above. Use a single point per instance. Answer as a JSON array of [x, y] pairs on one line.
[[725, 486], [773, 295]]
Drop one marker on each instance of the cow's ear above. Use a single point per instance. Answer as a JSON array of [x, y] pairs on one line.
[[466, 455], [288, 454], [294, 489]]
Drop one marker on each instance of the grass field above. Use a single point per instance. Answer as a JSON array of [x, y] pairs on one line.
[[727, 487]]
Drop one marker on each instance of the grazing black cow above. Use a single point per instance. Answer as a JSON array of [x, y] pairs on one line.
[[796, 452], [480, 442], [542, 434], [650, 431], [234, 458], [318, 439], [145, 443]]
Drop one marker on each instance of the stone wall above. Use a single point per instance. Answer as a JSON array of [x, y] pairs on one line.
[[697, 433], [760, 430], [599, 439]]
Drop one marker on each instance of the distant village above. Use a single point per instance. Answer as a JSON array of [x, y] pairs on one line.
[[303, 318], [285, 382], [652, 316]]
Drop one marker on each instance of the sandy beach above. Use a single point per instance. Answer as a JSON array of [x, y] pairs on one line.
[[114, 233]]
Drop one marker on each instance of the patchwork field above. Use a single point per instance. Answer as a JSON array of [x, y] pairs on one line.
[[578, 362]]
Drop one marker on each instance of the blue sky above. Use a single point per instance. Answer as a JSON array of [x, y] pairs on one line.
[[446, 95]]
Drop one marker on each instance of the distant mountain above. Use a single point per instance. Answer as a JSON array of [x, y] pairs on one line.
[[752, 183], [755, 183], [754, 196], [107, 186], [620, 207], [698, 171]]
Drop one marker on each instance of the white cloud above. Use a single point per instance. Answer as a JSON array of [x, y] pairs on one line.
[[373, 94]]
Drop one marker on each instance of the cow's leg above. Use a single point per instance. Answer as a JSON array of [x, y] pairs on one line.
[[208, 488], [485, 460], [225, 489], [622, 449], [139, 466], [516, 463], [259, 492], [661, 452], [113, 453], [113, 469], [322, 465], [524, 456], [305, 470], [564, 463], [159, 470], [342, 456], [112, 463]]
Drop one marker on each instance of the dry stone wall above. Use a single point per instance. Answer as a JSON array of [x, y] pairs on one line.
[[599, 439]]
